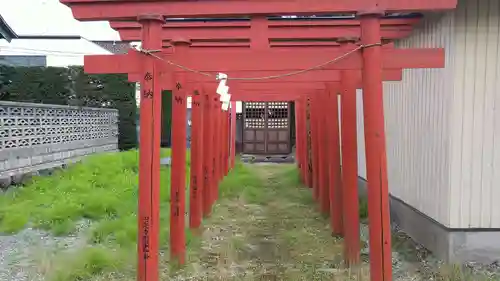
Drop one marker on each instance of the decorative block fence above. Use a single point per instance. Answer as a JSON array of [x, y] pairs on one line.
[[36, 137]]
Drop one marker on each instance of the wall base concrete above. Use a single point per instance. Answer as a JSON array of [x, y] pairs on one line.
[[28, 160], [451, 245]]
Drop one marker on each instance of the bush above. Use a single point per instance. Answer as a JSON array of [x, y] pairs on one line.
[[71, 86]]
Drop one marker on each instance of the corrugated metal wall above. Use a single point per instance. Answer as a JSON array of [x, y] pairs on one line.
[[443, 132]]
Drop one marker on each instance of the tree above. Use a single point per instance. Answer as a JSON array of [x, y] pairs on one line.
[[35, 84]]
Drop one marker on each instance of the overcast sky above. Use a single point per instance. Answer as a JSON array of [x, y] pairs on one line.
[[49, 17]]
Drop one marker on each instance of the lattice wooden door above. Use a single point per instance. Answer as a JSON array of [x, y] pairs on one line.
[[266, 128]]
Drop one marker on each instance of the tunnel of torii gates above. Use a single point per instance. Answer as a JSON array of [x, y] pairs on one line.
[[357, 66]]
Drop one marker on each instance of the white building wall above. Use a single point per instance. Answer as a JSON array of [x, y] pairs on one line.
[[50, 17], [59, 53], [442, 126]]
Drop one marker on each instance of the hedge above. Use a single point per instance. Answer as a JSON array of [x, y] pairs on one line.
[[71, 86]]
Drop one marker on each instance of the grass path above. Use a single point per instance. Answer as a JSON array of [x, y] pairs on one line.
[[270, 230]]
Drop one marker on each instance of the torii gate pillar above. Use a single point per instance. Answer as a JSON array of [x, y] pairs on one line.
[[350, 200], [208, 153], [149, 153], [197, 142], [349, 171], [376, 161], [323, 147], [334, 177], [178, 167], [298, 138]]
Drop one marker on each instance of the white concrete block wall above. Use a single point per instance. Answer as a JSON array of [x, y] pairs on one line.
[[40, 136]]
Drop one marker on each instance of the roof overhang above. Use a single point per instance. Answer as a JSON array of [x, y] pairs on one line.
[[6, 31]]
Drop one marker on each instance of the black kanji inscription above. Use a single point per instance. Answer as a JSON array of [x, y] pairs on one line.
[[148, 76], [147, 94]]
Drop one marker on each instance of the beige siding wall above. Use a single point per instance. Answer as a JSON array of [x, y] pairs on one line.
[[361, 135], [417, 112], [475, 138], [442, 126]]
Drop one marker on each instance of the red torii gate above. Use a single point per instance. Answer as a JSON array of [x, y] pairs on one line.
[[321, 193], [344, 205], [320, 184], [372, 59], [242, 92], [391, 75], [410, 55], [294, 87], [260, 95]]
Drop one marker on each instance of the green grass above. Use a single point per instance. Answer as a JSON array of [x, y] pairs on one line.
[[363, 208], [241, 182], [89, 263], [255, 201], [101, 189]]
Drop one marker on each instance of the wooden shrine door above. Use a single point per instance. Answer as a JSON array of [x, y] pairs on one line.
[[266, 128]]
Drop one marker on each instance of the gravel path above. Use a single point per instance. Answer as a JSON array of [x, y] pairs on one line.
[[412, 262], [24, 256]]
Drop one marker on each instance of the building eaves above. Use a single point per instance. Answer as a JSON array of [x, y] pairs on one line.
[[6, 31], [114, 47]]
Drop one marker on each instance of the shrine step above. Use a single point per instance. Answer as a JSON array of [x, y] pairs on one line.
[[251, 158]]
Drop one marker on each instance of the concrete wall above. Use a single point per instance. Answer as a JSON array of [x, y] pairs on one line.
[[38, 136]]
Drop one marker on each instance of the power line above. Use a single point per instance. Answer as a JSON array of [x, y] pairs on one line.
[[207, 74], [30, 53], [33, 51]]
